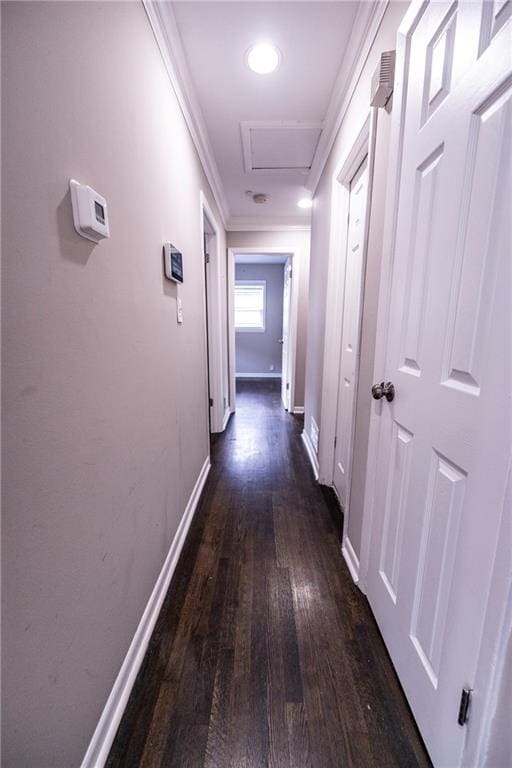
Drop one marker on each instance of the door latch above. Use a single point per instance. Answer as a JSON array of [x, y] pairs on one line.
[[465, 702]]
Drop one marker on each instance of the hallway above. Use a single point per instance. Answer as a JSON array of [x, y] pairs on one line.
[[255, 271], [265, 652]]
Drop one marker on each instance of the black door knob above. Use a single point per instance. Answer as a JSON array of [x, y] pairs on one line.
[[381, 390]]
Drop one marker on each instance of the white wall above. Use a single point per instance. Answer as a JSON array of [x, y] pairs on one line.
[[105, 396], [298, 241], [257, 352], [321, 224]]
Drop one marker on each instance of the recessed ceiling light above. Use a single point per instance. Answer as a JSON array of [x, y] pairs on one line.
[[263, 58], [305, 202]]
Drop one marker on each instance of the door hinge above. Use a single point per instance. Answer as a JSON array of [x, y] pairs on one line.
[[335, 441], [464, 707], [211, 402], [207, 258], [291, 274], [288, 386]]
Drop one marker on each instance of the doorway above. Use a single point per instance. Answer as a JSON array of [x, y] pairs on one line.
[[263, 319], [351, 332], [352, 185], [217, 394], [208, 246]]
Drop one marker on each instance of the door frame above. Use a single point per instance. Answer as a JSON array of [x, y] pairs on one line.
[[286, 399], [362, 146], [498, 615], [219, 411], [293, 319]]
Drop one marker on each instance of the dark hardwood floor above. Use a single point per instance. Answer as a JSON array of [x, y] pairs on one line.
[[265, 653]]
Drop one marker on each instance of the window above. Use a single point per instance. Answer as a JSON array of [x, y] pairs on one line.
[[250, 305]]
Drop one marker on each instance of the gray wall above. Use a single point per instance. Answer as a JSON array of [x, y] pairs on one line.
[[298, 241], [257, 352], [104, 395]]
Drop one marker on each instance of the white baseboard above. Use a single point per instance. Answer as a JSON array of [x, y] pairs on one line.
[[315, 436], [225, 420], [351, 558], [108, 724], [311, 452], [257, 375], [298, 409]]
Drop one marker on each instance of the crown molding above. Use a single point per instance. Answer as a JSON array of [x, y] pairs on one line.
[[165, 29], [366, 26], [163, 23]]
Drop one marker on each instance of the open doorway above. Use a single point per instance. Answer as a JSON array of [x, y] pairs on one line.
[[263, 320], [346, 402], [218, 403], [209, 243]]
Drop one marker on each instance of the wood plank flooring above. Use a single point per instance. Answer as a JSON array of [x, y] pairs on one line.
[[265, 653]]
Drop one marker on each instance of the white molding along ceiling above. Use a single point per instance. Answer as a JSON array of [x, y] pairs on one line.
[[163, 23], [366, 26], [306, 143]]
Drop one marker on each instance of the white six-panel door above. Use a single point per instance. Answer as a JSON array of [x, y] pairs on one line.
[[350, 343], [444, 443]]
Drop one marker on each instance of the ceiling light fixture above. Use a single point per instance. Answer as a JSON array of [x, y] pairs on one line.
[[305, 202], [263, 58]]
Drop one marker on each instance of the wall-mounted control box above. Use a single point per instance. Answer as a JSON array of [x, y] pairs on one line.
[[173, 263], [90, 214]]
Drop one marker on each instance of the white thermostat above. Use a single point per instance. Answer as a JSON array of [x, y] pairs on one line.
[[90, 214]]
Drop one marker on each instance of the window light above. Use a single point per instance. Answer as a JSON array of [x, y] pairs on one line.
[[250, 302]]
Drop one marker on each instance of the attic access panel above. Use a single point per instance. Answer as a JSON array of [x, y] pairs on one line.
[[279, 146]]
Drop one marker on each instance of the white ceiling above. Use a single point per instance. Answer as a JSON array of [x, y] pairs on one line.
[[313, 38]]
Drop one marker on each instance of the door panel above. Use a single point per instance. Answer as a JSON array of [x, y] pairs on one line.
[[444, 442], [487, 161], [439, 531], [350, 343], [413, 319], [399, 478]]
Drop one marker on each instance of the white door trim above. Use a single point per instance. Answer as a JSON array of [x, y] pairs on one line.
[[363, 144], [294, 308], [286, 395], [215, 324]]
